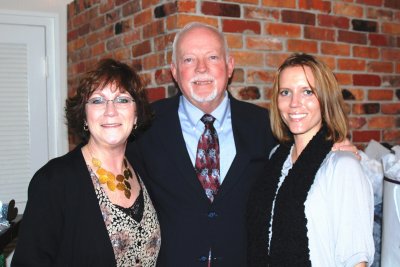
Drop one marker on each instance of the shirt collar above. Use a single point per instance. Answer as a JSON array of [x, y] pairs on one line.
[[194, 114]]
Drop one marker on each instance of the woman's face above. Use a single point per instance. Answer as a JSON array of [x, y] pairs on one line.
[[298, 105], [110, 124]]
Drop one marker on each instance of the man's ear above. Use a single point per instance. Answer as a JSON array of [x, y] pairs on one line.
[[231, 66], [173, 70]]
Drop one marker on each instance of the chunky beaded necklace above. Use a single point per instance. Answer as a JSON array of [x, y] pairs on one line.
[[120, 182]]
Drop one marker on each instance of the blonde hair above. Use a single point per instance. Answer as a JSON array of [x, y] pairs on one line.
[[327, 91]]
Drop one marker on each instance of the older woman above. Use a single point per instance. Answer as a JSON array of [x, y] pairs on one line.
[[90, 207], [314, 206]]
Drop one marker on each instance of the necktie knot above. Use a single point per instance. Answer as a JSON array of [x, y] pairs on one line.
[[207, 119]]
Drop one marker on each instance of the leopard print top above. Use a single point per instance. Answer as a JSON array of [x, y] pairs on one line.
[[135, 244]]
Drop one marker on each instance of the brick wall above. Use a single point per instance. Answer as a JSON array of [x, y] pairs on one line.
[[358, 39]]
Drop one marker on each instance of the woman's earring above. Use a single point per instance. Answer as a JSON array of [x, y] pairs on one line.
[[85, 126], [135, 127]]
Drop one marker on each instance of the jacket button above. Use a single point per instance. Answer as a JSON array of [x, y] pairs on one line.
[[212, 214], [203, 259]]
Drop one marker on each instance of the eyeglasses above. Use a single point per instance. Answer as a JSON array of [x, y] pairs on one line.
[[119, 102]]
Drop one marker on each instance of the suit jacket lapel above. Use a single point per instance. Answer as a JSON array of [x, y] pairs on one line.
[[242, 157], [174, 144]]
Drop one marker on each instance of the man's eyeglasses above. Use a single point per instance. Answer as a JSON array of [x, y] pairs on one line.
[[119, 102]]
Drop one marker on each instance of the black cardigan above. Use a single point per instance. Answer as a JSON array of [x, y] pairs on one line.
[[62, 223]]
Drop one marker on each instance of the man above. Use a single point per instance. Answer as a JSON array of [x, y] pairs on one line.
[[195, 230], [202, 223]]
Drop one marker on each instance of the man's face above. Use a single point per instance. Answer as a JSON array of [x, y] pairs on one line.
[[201, 69]]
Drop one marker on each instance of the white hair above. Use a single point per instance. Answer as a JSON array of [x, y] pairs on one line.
[[194, 25]]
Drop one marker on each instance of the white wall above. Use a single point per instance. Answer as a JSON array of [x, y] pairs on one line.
[[58, 7]]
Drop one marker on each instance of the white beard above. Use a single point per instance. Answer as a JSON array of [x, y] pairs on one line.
[[201, 99]]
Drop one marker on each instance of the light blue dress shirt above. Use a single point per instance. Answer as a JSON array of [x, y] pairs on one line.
[[193, 127]]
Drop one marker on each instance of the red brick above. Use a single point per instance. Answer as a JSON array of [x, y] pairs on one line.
[[264, 43], [245, 1], [298, 17], [329, 61], [335, 49], [165, 10], [120, 2], [379, 39], [132, 37], [391, 80], [97, 23], [143, 18], [238, 76], [220, 9], [358, 94], [333, 21], [366, 52], [390, 28], [285, 30], [163, 76], [366, 80], [351, 64], [370, 2], [141, 48], [397, 67], [380, 94], [259, 76], [187, 6], [234, 40], [352, 37], [243, 58], [348, 10], [391, 136], [114, 43], [130, 8], [153, 29], [390, 108], [249, 93], [98, 49], [157, 93], [382, 122], [182, 19], [344, 78], [265, 14], [279, 3], [163, 42], [72, 35], [275, 59], [122, 54], [320, 5], [241, 26], [390, 54], [302, 46], [357, 123], [380, 14], [379, 66], [366, 136], [149, 3], [106, 5], [368, 108], [392, 4], [153, 61], [319, 33]]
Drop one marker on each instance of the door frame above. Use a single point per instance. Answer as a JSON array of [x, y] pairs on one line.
[[57, 130]]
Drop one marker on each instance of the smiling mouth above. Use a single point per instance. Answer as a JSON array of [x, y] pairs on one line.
[[297, 116], [111, 124], [202, 82]]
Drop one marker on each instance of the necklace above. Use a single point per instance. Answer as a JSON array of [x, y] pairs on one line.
[[120, 182]]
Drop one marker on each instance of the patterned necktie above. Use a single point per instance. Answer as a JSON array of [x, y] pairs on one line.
[[207, 158]]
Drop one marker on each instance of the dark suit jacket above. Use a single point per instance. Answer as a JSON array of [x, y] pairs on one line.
[[190, 225], [62, 224]]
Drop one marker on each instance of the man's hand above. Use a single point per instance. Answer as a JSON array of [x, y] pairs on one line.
[[346, 145]]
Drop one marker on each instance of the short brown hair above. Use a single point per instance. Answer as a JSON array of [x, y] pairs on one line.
[[327, 91], [107, 71]]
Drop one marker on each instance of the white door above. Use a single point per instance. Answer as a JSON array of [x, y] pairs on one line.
[[23, 108]]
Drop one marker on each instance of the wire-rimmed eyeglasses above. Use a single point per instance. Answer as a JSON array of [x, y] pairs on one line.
[[119, 102]]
